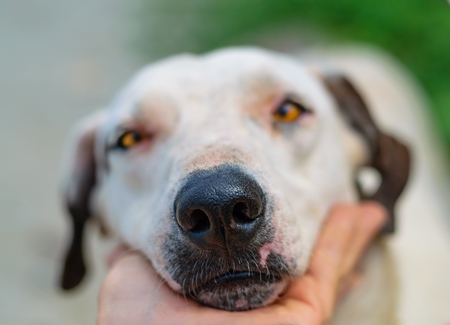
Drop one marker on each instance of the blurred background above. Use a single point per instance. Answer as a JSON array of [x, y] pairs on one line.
[[60, 60]]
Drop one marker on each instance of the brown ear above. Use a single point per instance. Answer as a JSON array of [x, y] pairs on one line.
[[79, 183], [386, 154]]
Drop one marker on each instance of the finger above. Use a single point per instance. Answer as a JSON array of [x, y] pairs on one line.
[[332, 244], [318, 287], [347, 284], [370, 218], [117, 253]]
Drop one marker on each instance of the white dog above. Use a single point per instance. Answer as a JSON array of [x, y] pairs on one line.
[[221, 168]]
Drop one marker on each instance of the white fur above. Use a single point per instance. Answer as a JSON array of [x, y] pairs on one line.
[[209, 110]]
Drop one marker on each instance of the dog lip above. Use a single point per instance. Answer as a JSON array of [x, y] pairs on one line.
[[234, 275], [244, 275], [233, 278]]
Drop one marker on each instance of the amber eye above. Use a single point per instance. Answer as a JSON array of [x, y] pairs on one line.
[[129, 139], [288, 112]]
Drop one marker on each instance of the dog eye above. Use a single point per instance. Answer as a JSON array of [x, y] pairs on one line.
[[129, 139], [288, 112]]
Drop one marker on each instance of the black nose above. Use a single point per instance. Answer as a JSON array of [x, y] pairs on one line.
[[222, 206]]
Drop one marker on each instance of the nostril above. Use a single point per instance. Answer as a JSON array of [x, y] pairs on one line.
[[199, 221], [242, 213]]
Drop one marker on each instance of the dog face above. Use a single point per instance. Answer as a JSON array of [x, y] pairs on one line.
[[220, 169]]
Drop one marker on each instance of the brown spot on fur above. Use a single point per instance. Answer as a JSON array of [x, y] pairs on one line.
[[215, 155]]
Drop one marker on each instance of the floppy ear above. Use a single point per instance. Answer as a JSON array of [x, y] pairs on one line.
[[78, 186], [386, 154]]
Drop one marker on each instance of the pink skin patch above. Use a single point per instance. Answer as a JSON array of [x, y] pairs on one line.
[[264, 252], [241, 304], [174, 285]]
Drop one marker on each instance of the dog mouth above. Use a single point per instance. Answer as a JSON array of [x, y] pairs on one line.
[[233, 278], [239, 290]]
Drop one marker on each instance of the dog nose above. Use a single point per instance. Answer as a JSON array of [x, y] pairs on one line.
[[223, 206]]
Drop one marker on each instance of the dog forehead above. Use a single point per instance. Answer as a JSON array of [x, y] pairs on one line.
[[231, 72], [210, 92]]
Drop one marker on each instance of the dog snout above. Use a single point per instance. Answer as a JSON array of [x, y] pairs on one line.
[[220, 207]]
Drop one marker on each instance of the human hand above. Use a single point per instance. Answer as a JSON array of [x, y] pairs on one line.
[[134, 294]]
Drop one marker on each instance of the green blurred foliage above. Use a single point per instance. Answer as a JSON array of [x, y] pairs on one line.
[[416, 32]]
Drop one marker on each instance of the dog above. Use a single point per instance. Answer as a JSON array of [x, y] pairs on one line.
[[221, 168]]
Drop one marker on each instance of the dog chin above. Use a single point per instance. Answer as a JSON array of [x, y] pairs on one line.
[[240, 294]]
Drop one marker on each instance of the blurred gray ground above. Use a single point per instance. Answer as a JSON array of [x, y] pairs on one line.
[[59, 60]]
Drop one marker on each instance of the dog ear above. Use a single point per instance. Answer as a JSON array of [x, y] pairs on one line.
[[78, 186], [389, 156]]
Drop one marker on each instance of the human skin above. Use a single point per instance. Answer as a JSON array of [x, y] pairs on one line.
[[134, 294]]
